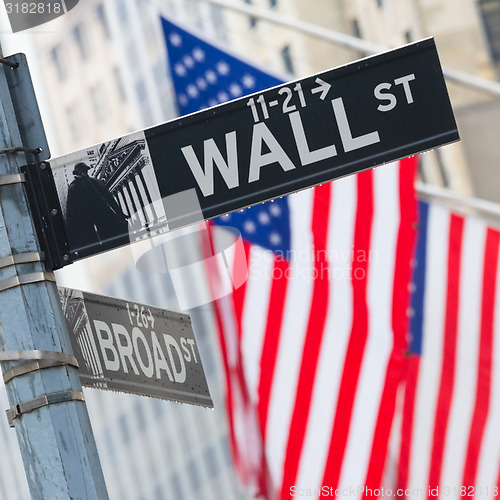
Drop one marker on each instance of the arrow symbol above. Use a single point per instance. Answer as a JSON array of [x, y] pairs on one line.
[[323, 88]]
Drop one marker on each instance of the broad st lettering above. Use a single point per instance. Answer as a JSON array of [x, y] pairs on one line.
[[145, 353]]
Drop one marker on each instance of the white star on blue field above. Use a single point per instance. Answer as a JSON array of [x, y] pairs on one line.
[[205, 76]]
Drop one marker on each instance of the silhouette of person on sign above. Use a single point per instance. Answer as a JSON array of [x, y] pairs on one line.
[[93, 217]]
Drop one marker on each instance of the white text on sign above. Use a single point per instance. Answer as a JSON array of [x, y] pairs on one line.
[[144, 353], [266, 149]]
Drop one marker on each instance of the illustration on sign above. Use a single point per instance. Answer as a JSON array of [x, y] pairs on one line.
[[256, 148], [101, 190], [129, 347]]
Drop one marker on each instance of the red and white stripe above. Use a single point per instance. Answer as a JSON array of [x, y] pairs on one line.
[[451, 416], [321, 344]]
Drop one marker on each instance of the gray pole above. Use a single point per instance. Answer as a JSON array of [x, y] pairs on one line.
[[57, 445]]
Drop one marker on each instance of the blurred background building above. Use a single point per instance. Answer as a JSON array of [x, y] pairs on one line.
[[467, 36], [105, 64], [102, 71]]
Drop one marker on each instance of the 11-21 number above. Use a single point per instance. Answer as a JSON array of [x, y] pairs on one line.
[[286, 108]]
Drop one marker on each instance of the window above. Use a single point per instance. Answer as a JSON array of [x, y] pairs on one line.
[[176, 487], [159, 493], [109, 441], [408, 37], [74, 122], [160, 72], [356, 31], [140, 90], [490, 14], [379, 3], [142, 98], [103, 20], [210, 460], [141, 418], [287, 59], [252, 20], [208, 360], [149, 29], [122, 13], [168, 109], [273, 3], [124, 428], [183, 432], [194, 475], [119, 84], [81, 42], [132, 54], [98, 102], [442, 168], [147, 115], [160, 409], [218, 23], [226, 450], [55, 54], [166, 447]]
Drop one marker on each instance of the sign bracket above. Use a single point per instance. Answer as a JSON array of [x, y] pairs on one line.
[[42, 360], [34, 366], [26, 279], [45, 400], [47, 213], [38, 355], [21, 258], [6, 180]]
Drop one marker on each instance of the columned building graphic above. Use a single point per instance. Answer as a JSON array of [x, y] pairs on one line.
[[127, 172], [78, 323]]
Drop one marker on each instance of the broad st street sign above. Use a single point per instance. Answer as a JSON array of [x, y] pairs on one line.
[[129, 347], [287, 138]]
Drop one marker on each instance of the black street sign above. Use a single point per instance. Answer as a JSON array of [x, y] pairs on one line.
[[287, 138], [129, 347]]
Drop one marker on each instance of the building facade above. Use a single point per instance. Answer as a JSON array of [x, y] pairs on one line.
[[466, 36], [105, 73], [131, 88]]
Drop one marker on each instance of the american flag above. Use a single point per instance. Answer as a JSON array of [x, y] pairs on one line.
[[327, 387], [314, 342], [322, 331], [451, 412], [205, 76]]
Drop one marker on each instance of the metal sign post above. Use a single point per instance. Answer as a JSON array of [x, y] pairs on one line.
[[287, 138], [43, 386]]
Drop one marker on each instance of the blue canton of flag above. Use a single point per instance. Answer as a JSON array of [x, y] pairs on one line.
[[205, 76]]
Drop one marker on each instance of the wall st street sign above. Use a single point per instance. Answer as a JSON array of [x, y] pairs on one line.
[[128, 347], [287, 138]]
